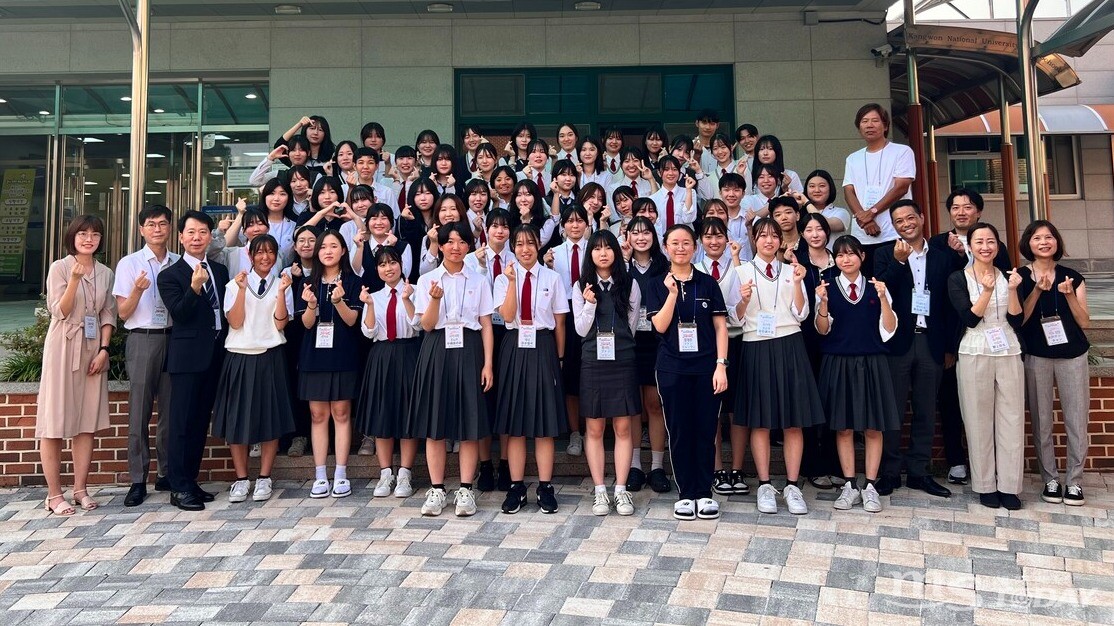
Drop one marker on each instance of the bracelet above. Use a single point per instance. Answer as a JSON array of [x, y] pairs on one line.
[[311, 308], [105, 348], [281, 319], [824, 315]]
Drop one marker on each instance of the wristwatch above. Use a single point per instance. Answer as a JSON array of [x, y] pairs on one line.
[[723, 362]]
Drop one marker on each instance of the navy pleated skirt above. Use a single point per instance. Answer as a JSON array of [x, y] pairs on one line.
[[327, 386], [775, 387], [857, 392], [570, 370], [388, 386], [253, 404], [448, 400], [531, 400]]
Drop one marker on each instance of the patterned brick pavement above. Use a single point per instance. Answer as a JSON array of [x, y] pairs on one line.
[[296, 560]]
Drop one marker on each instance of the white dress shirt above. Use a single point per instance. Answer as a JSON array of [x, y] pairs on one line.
[[547, 298], [405, 327], [562, 263], [844, 285], [601, 177], [127, 270], [641, 184], [682, 214], [918, 265], [546, 179], [773, 295], [584, 312], [465, 301]]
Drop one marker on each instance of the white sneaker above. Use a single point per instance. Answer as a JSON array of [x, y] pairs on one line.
[[456, 447], [239, 491], [794, 500], [262, 490], [320, 489], [465, 502], [342, 488], [684, 510], [707, 508], [434, 502], [848, 497], [576, 444], [256, 451], [367, 447], [385, 485], [624, 503], [403, 488], [602, 504], [767, 499], [872, 503]]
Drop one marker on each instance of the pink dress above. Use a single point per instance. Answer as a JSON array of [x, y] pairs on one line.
[[71, 401]]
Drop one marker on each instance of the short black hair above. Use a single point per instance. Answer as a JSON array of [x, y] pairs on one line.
[[751, 129], [733, 179], [831, 185], [1031, 229], [155, 210], [708, 115], [905, 202], [200, 216], [972, 195]]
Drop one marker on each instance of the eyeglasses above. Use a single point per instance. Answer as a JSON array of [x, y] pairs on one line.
[[89, 235]]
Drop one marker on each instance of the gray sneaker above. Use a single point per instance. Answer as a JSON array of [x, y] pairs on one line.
[[465, 502], [794, 500], [576, 445], [385, 484], [872, 503], [601, 503], [848, 497], [434, 502]]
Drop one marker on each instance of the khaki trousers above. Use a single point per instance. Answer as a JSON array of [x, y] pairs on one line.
[[992, 400]]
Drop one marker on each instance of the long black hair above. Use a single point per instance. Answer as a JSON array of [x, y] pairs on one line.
[[658, 261], [318, 270], [328, 149], [620, 277]]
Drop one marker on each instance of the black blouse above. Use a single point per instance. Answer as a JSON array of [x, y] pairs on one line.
[[1051, 303]]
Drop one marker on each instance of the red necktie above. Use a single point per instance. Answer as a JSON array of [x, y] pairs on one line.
[[527, 304], [483, 237], [402, 197], [574, 265], [497, 267], [614, 168], [770, 270], [715, 270], [392, 316], [473, 165], [854, 292], [634, 188], [722, 173], [669, 211], [541, 182]]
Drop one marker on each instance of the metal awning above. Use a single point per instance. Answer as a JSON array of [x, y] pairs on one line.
[[959, 71], [1055, 119]]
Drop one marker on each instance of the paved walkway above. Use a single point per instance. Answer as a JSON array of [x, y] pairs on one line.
[[295, 560]]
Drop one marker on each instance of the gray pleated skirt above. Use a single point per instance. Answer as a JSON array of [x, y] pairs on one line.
[[388, 386], [775, 387], [531, 400]]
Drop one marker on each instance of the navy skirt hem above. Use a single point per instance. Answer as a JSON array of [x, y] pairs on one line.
[[858, 393], [252, 404], [775, 386], [531, 400], [387, 388], [448, 400], [327, 386]]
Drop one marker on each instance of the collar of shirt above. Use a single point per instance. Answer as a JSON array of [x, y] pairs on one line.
[[254, 278], [534, 271], [193, 261], [149, 255], [923, 253], [846, 284]]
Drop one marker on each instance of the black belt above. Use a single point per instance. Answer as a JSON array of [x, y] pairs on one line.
[[150, 331]]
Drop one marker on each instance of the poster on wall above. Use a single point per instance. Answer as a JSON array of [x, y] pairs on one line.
[[15, 203]]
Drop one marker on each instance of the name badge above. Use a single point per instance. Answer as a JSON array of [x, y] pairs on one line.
[[643, 321], [527, 336], [497, 319], [324, 335], [159, 317], [1053, 329], [921, 302], [454, 336], [996, 339], [90, 326], [605, 346], [871, 195], [767, 324], [686, 333]]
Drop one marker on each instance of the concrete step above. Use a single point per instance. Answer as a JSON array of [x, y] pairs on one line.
[[1101, 331]]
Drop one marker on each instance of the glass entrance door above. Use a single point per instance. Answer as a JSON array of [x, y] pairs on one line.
[[23, 200]]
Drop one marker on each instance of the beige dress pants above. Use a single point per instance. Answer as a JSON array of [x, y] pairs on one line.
[[992, 400]]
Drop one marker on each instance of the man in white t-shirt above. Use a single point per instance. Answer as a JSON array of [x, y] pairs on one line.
[[875, 177]]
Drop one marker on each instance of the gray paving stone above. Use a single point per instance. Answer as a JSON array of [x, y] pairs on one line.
[[791, 608], [645, 548], [336, 613], [656, 577], [850, 580], [526, 618], [97, 616], [430, 616], [511, 585], [269, 594], [894, 604], [741, 603], [602, 591], [539, 603], [994, 567], [946, 613], [197, 614], [492, 600], [768, 551]]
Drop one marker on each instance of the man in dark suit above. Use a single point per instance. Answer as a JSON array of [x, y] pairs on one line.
[[916, 276], [965, 209], [192, 290]]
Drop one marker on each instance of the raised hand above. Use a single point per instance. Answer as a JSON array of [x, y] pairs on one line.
[[1044, 282], [365, 295], [822, 291], [141, 281], [242, 279], [481, 255], [902, 250], [746, 290], [309, 295], [305, 121], [671, 284], [955, 243], [988, 280], [799, 272], [391, 240], [241, 205], [880, 287], [406, 213], [284, 283], [198, 278], [435, 290], [296, 270], [589, 295], [225, 223], [509, 272], [690, 182], [1066, 287], [1013, 279], [625, 247], [338, 293], [736, 250], [407, 289], [450, 181], [549, 258], [278, 153]]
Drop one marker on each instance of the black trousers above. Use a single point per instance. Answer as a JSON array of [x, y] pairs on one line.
[[914, 374], [868, 264], [691, 419], [191, 411], [951, 420]]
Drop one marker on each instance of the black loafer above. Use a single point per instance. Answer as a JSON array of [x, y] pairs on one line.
[[636, 479], [162, 483], [1009, 501], [886, 485], [659, 482], [187, 501], [203, 495], [990, 500], [928, 485], [136, 495]]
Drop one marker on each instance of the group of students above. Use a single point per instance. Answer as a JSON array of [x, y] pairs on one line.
[[457, 297]]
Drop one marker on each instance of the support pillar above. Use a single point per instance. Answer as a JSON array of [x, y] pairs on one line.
[[1009, 174], [1034, 147], [139, 25]]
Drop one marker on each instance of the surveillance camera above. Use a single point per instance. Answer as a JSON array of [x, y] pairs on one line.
[[883, 51]]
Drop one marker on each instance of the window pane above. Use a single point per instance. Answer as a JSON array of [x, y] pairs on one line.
[[236, 103], [27, 107], [630, 93], [982, 175], [693, 92], [557, 94], [1060, 151], [492, 94], [107, 106]]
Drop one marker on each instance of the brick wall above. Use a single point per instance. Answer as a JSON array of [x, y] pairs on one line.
[[19, 457]]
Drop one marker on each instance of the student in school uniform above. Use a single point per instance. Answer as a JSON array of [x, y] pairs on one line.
[[489, 260], [990, 374], [688, 312], [719, 260], [746, 140], [768, 151], [634, 174], [425, 145], [647, 265], [675, 203], [329, 307], [454, 367], [756, 205], [567, 260], [654, 143], [401, 176], [775, 386], [563, 187], [486, 160], [388, 381], [379, 229], [529, 208], [252, 405], [502, 187], [418, 217], [477, 195], [612, 157], [589, 161], [724, 163], [367, 171], [445, 171], [606, 304], [470, 139], [373, 136], [291, 153], [225, 248], [301, 189], [707, 125], [854, 317], [732, 191], [600, 217], [568, 138], [820, 195], [277, 201], [537, 165], [517, 149], [449, 208], [622, 204], [532, 302]]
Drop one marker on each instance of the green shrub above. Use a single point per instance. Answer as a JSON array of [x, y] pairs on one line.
[[25, 362]]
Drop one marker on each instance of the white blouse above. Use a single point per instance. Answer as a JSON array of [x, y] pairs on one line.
[[259, 332], [405, 327], [773, 295], [974, 340], [465, 301], [547, 297]]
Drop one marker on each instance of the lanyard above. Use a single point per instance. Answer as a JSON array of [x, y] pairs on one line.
[[777, 284], [90, 296], [328, 292], [463, 293], [979, 289], [681, 288], [878, 171]]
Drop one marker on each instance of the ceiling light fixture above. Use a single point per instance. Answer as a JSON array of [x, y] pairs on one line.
[[44, 112], [160, 181], [159, 111], [3, 101], [587, 6], [125, 98], [288, 9], [251, 96], [439, 7], [155, 155], [216, 173], [92, 140]]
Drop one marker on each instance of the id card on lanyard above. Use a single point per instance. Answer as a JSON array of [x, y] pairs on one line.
[[922, 302], [686, 331], [454, 329], [324, 335], [527, 336], [1054, 332]]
